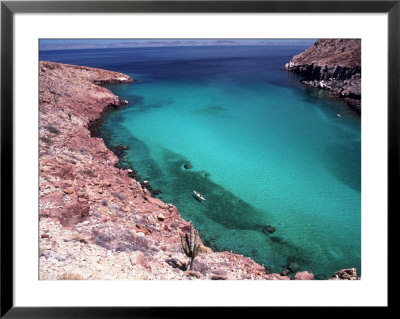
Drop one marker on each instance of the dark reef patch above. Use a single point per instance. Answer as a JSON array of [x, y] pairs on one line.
[[213, 110]]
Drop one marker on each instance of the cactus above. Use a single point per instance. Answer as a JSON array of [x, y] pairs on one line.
[[190, 244]]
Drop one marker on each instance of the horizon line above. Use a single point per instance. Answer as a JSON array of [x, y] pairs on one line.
[[81, 44]]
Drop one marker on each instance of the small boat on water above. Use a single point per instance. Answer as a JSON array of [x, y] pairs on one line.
[[338, 115], [198, 196]]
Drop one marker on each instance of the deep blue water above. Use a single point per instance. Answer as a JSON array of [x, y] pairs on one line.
[[265, 150]]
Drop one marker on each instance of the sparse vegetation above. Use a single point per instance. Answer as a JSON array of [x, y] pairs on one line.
[[190, 245], [88, 172], [46, 140], [70, 276], [119, 196], [81, 238], [52, 129]]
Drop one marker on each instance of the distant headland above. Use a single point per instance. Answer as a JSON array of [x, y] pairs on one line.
[[334, 65]]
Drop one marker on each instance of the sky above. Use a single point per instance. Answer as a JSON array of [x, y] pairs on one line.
[[65, 44]]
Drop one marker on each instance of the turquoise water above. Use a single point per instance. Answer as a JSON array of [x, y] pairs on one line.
[[264, 151]]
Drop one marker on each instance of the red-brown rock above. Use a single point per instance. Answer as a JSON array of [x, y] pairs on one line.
[[303, 275], [345, 274], [276, 277], [68, 190]]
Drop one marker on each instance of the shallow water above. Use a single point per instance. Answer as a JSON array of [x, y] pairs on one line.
[[264, 149]]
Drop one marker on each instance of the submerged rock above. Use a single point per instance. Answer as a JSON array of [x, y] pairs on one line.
[[268, 229], [157, 191], [276, 239], [122, 147], [293, 267]]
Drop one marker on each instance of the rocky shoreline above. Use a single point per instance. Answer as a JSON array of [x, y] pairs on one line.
[[96, 221], [333, 65]]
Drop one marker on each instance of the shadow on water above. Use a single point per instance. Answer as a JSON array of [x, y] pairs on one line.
[[221, 206], [106, 128], [143, 105], [230, 212], [348, 170]]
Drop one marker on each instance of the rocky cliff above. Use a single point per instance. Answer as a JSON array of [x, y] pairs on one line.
[[96, 221], [334, 65]]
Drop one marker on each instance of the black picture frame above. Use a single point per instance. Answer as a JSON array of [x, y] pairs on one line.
[[9, 8]]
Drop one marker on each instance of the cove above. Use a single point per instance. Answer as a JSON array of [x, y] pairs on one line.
[[264, 150]]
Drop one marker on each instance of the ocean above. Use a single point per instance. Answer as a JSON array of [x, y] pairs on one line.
[[263, 149]]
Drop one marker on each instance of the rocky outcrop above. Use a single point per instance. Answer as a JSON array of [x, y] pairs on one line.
[[333, 65], [303, 275], [346, 274]]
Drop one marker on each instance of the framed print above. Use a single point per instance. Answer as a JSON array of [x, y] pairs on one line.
[[158, 155]]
